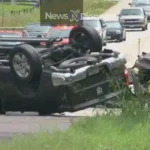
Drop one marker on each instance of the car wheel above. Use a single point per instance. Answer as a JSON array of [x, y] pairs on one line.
[[104, 44], [91, 40], [124, 38], [2, 108], [144, 28], [25, 64], [77, 62], [121, 39], [43, 113]]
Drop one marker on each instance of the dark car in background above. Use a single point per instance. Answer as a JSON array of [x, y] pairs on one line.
[[115, 31], [35, 29], [145, 4]]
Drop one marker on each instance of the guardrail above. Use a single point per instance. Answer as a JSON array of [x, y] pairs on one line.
[[12, 28]]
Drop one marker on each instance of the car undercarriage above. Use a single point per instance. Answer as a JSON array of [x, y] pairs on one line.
[[59, 78]]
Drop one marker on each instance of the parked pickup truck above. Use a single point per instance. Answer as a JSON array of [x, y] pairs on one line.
[[133, 18]]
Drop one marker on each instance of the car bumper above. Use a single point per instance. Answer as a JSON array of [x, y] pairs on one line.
[[96, 101], [113, 36], [139, 25]]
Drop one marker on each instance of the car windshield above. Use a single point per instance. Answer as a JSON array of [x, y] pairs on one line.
[[126, 12], [141, 2], [92, 22], [9, 35], [59, 33], [113, 25], [36, 28]]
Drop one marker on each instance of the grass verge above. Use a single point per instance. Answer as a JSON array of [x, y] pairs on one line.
[[96, 133], [95, 7]]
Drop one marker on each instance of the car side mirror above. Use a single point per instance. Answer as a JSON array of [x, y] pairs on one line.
[[144, 53]]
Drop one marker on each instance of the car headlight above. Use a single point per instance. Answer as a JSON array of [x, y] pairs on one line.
[[118, 31], [147, 13], [122, 21], [141, 20]]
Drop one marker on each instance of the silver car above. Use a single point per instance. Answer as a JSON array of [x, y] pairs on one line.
[[133, 18], [145, 4], [97, 23]]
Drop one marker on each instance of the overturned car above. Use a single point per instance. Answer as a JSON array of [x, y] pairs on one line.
[[62, 78]]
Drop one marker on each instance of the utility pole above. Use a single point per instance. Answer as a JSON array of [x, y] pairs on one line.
[[13, 2], [2, 12]]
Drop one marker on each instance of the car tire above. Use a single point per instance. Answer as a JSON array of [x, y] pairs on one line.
[[104, 44], [2, 108], [121, 39], [144, 28], [124, 38], [94, 39], [31, 60], [68, 63]]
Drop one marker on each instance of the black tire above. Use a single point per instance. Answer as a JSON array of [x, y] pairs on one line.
[[121, 39], [34, 60], [44, 113], [104, 44], [125, 37], [68, 63], [144, 28], [2, 106], [94, 39]]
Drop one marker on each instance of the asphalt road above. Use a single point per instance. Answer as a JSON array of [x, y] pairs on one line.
[[13, 123]]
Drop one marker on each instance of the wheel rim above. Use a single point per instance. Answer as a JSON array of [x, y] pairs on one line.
[[21, 65]]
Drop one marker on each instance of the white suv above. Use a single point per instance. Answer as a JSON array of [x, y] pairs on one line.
[[97, 23]]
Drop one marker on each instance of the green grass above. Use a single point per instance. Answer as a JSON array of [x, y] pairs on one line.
[[8, 7], [94, 7], [96, 133]]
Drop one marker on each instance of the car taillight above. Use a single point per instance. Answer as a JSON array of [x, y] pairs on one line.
[[43, 43], [126, 75]]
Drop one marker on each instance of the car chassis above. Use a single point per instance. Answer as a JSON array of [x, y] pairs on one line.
[[56, 82]]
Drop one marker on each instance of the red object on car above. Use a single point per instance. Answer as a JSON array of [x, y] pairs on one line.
[[59, 32], [126, 75]]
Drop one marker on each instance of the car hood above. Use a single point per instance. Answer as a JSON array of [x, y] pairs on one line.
[[113, 29], [131, 17]]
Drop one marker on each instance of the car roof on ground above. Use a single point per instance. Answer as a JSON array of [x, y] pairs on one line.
[[63, 27]]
